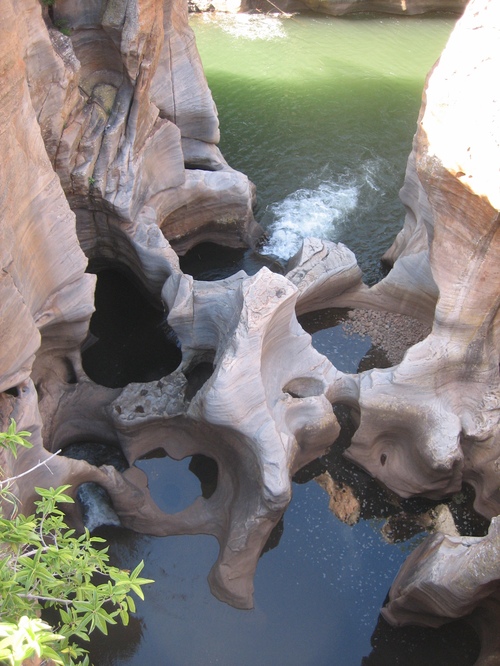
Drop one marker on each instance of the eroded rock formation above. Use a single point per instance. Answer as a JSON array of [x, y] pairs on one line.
[[114, 124], [457, 153], [109, 143], [107, 117]]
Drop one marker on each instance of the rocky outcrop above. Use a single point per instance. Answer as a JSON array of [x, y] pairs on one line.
[[130, 125], [110, 155], [107, 149], [456, 209], [106, 117], [452, 432], [450, 577]]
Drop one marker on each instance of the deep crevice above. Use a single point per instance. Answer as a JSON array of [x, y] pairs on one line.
[[198, 373], [198, 166], [131, 340], [14, 391]]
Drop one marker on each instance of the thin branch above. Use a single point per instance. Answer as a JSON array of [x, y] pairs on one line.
[[38, 597], [29, 553], [31, 469], [280, 10]]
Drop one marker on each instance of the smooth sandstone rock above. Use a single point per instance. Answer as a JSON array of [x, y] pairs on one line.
[[448, 384], [457, 153], [81, 106], [126, 110], [140, 93], [120, 161]]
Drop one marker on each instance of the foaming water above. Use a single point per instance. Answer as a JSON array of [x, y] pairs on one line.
[[326, 210], [329, 106], [303, 213]]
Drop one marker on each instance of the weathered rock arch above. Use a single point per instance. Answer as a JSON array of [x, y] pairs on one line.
[[102, 152]]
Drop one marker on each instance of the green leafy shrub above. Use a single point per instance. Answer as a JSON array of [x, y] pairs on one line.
[[11, 440], [44, 564], [63, 27]]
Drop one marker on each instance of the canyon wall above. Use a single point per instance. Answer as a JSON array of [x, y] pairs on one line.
[[457, 158], [108, 135]]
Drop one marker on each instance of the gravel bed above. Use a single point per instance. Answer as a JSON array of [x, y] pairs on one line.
[[393, 333]]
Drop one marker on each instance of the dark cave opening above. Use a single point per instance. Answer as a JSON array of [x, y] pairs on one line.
[[130, 340]]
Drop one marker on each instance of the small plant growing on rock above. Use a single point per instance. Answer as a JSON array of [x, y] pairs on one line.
[[63, 27], [45, 565]]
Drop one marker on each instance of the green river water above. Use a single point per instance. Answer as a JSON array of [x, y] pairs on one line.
[[319, 113]]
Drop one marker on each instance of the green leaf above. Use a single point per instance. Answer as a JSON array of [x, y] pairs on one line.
[[131, 604], [44, 564]]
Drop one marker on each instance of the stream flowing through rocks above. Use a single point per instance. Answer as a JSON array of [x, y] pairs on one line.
[[319, 113]]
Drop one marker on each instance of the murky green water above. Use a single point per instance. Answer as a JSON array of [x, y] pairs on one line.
[[320, 113]]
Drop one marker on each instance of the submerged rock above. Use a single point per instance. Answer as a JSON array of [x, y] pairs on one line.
[[343, 503]]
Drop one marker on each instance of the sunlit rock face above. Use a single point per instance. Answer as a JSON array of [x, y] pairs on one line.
[[130, 125], [453, 376], [446, 385], [46, 298]]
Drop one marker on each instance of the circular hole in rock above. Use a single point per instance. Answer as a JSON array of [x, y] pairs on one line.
[[210, 262], [130, 340], [199, 371], [175, 484], [304, 387]]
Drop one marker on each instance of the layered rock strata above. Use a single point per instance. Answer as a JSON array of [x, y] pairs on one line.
[[113, 124], [130, 125], [97, 129], [457, 153], [106, 116]]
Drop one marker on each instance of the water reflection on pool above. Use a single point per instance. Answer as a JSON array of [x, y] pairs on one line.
[[317, 599]]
